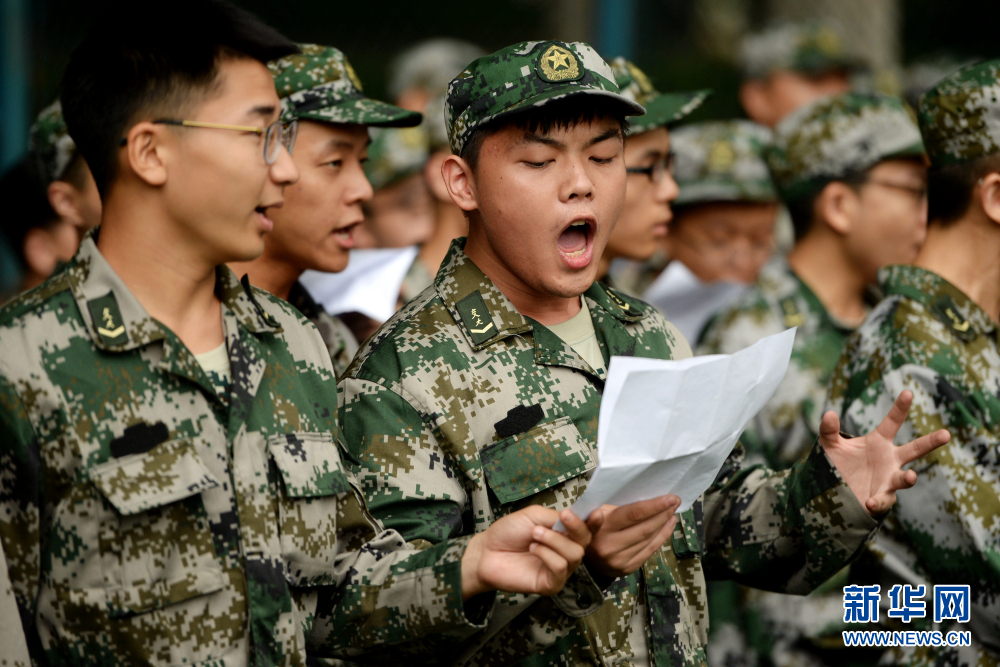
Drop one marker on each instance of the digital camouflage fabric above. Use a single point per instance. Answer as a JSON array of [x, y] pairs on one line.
[[786, 630], [319, 84], [927, 336], [461, 410], [808, 47], [396, 154], [960, 116], [662, 109], [838, 136], [148, 520], [722, 161], [339, 341], [50, 144], [522, 76]]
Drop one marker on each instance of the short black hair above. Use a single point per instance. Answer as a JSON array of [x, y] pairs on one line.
[[949, 188], [145, 58], [22, 186], [567, 112], [802, 210]]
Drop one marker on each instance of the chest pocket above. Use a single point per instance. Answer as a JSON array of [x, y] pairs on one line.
[[156, 547], [529, 463], [311, 506]]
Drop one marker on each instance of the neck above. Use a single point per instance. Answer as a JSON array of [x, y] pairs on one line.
[[820, 261], [269, 273], [545, 308], [164, 270], [451, 224], [604, 264], [966, 254]]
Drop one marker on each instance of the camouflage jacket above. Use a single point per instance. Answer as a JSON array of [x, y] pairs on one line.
[[339, 340], [147, 519], [788, 425], [929, 337], [460, 410]]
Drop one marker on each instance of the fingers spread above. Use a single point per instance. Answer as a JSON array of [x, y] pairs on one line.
[[912, 451], [897, 415]]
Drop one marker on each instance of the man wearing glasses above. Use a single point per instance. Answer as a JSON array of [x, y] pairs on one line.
[[171, 490], [851, 170]]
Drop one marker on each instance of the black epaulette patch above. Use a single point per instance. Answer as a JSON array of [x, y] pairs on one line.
[[790, 312], [477, 319], [948, 312], [108, 320]]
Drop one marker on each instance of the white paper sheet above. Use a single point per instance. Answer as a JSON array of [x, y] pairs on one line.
[[668, 426], [687, 301], [369, 285]]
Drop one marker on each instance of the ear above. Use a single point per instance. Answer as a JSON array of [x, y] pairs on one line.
[[64, 201], [756, 101], [989, 196], [460, 182], [145, 152], [40, 251], [837, 207], [433, 177]]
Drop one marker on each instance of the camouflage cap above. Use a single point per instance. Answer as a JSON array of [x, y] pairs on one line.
[[801, 47], [50, 144], [395, 154], [662, 109], [319, 84], [722, 161], [837, 136], [960, 116], [522, 76]]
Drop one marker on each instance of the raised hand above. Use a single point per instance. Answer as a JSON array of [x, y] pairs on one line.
[[629, 534], [872, 465], [520, 553]]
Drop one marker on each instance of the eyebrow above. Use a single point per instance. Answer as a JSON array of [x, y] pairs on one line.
[[604, 136], [265, 111], [549, 141]]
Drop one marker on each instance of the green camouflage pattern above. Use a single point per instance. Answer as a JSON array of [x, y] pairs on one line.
[[522, 76], [339, 341], [461, 410], [662, 109], [722, 161], [960, 116], [837, 136], [146, 520], [319, 84], [809, 47], [50, 144], [396, 154], [789, 630], [929, 337], [15, 647]]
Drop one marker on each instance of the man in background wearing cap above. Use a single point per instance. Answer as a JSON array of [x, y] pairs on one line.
[[649, 164], [315, 228], [851, 170], [789, 65], [467, 405], [67, 184], [935, 334]]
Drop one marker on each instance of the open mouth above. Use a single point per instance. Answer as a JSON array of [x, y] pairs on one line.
[[576, 243], [265, 221], [345, 235]]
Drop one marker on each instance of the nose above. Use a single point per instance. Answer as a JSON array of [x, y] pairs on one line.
[[283, 170], [578, 184], [668, 190], [360, 189]]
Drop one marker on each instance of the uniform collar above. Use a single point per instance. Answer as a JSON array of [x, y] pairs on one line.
[[946, 302], [793, 293], [486, 316], [117, 322]]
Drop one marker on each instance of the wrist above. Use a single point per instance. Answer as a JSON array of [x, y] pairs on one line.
[[472, 584]]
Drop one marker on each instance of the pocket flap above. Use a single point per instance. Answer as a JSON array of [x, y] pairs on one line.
[[527, 463], [309, 464], [165, 474]]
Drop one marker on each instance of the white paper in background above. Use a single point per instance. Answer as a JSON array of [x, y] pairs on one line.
[[668, 426], [687, 301], [369, 285]]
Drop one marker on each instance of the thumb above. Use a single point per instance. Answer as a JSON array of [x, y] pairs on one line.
[[829, 427], [595, 520]]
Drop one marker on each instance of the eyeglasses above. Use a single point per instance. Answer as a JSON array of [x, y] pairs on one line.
[[919, 192], [657, 170], [275, 134]]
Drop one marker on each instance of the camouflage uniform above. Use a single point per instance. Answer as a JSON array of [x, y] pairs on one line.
[[829, 139], [460, 410], [931, 338], [808, 47], [339, 341], [50, 144], [662, 109], [149, 516]]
